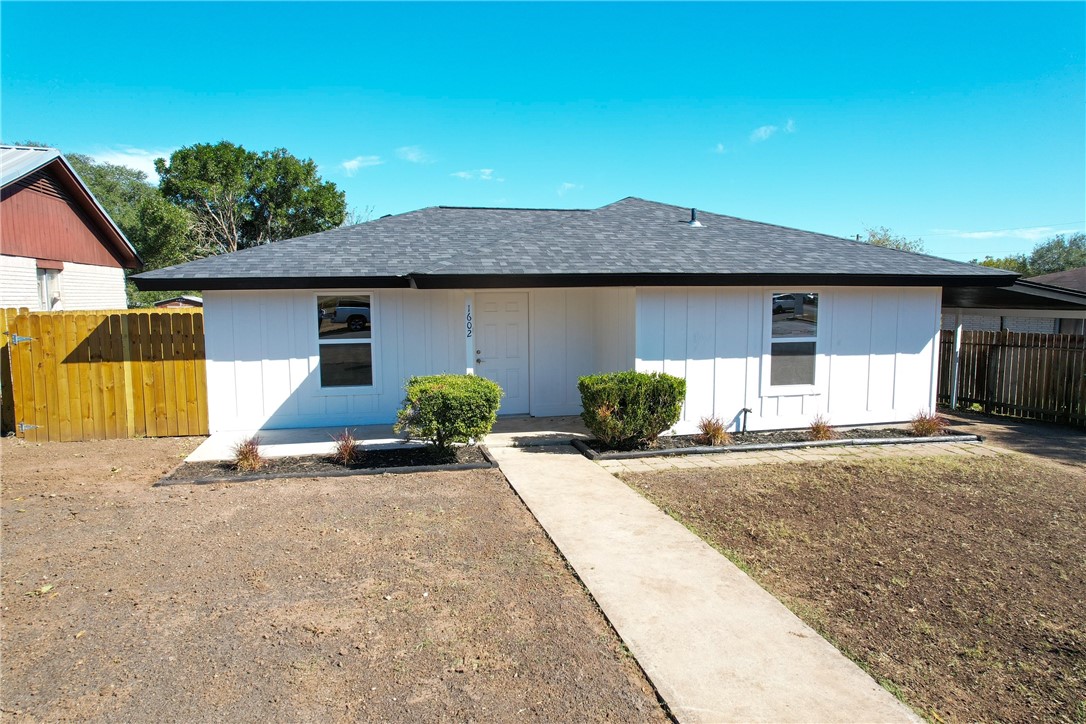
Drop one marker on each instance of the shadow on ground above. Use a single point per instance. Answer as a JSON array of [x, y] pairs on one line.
[[1059, 443]]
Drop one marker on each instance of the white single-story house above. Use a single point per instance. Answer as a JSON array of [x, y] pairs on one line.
[[60, 250], [325, 329]]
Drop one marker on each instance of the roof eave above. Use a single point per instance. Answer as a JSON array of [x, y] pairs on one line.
[[491, 281], [256, 283]]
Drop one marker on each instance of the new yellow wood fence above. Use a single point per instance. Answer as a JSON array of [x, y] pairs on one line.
[[102, 375]]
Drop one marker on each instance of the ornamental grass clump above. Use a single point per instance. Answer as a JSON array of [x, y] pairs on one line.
[[820, 429], [344, 448], [626, 409], [929, 424], [714, 432], [449, 409], [247, 455]]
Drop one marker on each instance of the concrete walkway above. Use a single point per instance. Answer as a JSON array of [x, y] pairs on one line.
[[715, 644]]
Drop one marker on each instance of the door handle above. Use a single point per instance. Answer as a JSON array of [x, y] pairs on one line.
[[478, 360]]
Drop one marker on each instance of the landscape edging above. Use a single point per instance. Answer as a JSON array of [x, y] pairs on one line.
[[592, 454], [345, 473]]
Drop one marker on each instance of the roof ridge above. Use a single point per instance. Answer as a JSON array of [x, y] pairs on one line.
[[502, 208], [16, 147]]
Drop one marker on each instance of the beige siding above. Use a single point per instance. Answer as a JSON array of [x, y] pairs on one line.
[[82, 286], [19, 283]]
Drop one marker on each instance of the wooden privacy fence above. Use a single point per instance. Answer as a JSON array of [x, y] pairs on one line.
[[103, 375], [1035, 376]]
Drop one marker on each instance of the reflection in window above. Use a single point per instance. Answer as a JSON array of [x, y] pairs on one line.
[[344, 317], [345, 331], [793, 341]]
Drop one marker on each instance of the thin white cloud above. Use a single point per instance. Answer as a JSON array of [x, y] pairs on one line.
[[351, 166], [140, 159], [1033, 233], [413, 154], [566, 187], [719, 148], [482, 174], [762, 133]]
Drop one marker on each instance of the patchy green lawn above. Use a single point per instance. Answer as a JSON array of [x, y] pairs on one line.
[[960, 583]]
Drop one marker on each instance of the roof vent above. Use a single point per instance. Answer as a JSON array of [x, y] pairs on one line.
[[694, 219]]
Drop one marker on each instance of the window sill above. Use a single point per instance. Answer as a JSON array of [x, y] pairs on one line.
[[791, 391], [346, 391]]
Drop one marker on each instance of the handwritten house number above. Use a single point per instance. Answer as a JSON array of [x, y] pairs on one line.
[[468, 321]]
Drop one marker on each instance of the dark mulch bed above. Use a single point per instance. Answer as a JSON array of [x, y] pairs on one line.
[[677, 442], [315, 465]]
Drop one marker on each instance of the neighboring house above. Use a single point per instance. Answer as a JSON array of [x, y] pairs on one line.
[[1047, 304], [59, 250], [1069, 280], [535, 298], [185, 300]]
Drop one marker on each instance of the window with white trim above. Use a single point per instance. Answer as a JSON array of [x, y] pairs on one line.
[[49, 289], [345, 340], [793, 339]]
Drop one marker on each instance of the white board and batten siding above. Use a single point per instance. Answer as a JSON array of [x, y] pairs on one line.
[[263, 357], [876, 354]]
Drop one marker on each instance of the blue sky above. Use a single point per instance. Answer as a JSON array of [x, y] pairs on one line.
[[964, 124]]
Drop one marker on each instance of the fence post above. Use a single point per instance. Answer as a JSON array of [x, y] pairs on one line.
[[956, 360], [126, 364]]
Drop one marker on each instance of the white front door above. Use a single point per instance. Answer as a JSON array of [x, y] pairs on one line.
[[501, 351]]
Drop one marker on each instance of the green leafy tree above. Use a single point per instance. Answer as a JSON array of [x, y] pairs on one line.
[[239, 198], [881, 236], [119, 189], [287, 198], [1015, 262], [1060, 253], [211, 181]]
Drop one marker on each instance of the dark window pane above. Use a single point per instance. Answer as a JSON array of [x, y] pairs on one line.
[[792, 363], [344, 317], [346, 365], [795, 315]]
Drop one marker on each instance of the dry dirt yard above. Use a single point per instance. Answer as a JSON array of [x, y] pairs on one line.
[[960, 583], [412, 597]]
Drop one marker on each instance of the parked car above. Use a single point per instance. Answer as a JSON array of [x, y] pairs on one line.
[[787, 302], [353, 313]]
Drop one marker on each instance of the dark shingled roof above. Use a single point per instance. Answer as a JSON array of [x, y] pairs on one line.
[[629, 242], [1069, 279]]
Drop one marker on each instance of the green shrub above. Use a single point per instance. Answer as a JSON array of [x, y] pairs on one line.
[[445, 409], [625, 409]]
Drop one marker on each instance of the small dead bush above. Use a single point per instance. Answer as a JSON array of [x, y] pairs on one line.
[[247, 455], [821, 429], [345, 448], [714, 432], [929, 424]]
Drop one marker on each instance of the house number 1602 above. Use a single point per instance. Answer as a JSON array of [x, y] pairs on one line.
[[467, 321]]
